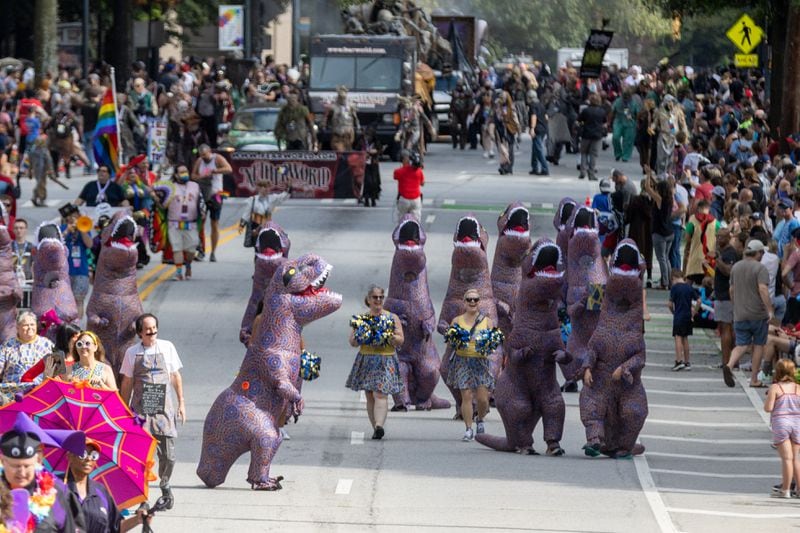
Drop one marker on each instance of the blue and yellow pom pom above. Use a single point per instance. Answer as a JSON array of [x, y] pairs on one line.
[[487, 340], [309, 365]]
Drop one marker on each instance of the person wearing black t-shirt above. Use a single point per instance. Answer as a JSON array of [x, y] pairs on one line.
[[103, 189]]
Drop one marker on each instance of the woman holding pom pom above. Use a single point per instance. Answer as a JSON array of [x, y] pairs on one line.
[[473, 338], [376, 369]]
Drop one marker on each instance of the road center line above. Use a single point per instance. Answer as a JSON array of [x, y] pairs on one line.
[[712, 474], [719, 458], [698, 440], [357, 437], [344, 486], [757, 516], [653, 497]]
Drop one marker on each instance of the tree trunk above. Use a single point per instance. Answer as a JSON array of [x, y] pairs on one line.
[[776, 36], [119, 41], [790, 107], [45, 58]]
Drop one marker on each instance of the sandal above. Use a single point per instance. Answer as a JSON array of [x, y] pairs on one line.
[[759, 385]]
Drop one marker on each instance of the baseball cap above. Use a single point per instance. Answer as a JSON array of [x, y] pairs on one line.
[[718, 190], [785, 203], [757, 216], [605, 185], [755, 246]]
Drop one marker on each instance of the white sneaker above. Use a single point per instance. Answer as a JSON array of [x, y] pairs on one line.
[[486, 155], [285, 435], [783, 494], [479, 427], [468, 435]]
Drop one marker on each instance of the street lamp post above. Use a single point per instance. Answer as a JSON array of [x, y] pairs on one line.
[[85, 39], [296, 32]]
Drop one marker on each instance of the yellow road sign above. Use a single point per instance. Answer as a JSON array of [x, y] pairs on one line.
[[745, 60], [745, 34]]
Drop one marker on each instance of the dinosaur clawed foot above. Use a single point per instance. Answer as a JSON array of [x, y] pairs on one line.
[[527, 451], [555, 450], [273, 483], [592, 449], [399, 407]]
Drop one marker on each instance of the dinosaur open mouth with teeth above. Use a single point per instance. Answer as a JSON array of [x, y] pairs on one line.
[[566, 213], [626, 261], [318, 285], [585, 221], [123, 234], [409, 235], [544, 263], [468, 234], [269, 244], [518, 223]]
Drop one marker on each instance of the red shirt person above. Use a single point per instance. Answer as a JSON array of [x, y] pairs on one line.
[[410, 180]]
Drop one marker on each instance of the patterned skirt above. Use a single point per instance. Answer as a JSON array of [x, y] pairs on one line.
[[469, 373], [375, 373]]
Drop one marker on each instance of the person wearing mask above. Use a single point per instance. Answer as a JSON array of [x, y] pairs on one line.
[[207, 172], [592, 121], [183, 211]]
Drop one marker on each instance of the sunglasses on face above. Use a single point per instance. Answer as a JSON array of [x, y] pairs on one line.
[[472, 300], [83, 344], [377, 297], [92, 455]]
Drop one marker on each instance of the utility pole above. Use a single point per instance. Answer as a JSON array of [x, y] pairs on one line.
[[248, 28], [296, 33], [85, 39]]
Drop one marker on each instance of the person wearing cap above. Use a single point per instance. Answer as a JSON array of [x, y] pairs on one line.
[[148, 366], [787, 223], [20, 353], [52, 507], [607, 218], [410, 180], [752, 310], [717, 207], [100, 513]]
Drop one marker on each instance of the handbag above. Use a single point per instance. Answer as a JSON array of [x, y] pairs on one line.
[[249, 232]]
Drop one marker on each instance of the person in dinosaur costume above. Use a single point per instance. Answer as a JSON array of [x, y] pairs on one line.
[[410, 299], [115, 302], [561, 223], [586, 273], [10, 291], [527, 389], [613, 403], [513, 244], [469, 270], [272, 248], [51, 287], [244, 418]]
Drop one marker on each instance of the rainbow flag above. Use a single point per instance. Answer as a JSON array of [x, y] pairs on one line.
[[105, 137]]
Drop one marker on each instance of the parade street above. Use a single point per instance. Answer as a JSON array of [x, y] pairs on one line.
[[708, 464]]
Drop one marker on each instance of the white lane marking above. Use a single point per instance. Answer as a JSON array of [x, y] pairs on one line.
[[362, 396], [653, 497], [684, 380], [723, 458], [753, 396], [356, 437], [349, 201], [698, 440], [758, 516], [427, 201], [448, 202], [694, 353], [707, 492], [429, 219], [326, 201], [738, 425], [526, 205], [547, 205], [344, 486], [701, 409], [691, 393], [711, 474]]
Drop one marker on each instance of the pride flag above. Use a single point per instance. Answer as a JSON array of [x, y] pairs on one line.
[[106, 137]]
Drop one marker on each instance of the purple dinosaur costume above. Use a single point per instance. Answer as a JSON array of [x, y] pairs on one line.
[[586, 268], [527, 389], [470, 270], [512, 245], [51, 286], [614, 410], [272, 249], [410, 299], [115, 302], [10, 291], [245, 416], [561, 223]]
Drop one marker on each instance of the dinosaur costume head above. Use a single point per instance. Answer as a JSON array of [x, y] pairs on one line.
[[513, 226], [565, 208], [119, 252], [542, 279], [409, 244], [5, 241], [583, 257], [470, 241], [51, 255], [272, 243], [624, 289], [300, 286]]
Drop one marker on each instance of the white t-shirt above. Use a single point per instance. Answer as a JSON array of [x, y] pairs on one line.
[[208, 169], [772, 263], [166, 348]]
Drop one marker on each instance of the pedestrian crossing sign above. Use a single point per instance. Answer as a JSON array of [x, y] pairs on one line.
[[745, 34]]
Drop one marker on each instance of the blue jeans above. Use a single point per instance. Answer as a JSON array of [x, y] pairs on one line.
[[538, 161], [87, 147], [675, 248]]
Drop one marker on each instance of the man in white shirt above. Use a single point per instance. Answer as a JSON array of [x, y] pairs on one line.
[[150, 373]]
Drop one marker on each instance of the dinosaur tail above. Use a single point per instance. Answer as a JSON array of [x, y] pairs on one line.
[[439, 403], [496, 443]]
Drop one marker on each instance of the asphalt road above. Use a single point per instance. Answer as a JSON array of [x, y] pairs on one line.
[[708, 467]]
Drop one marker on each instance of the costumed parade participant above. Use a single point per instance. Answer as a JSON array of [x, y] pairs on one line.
[[115, 302], [376, 369], [244, 417], [409, 298], [613, 402], [10, 289], [272, 248], [586, 277], [51, 507], [51, 284], [513, 244], [527, 389], [343, 121], [469, 270], [561, 222], [471, 338], [258, 211]]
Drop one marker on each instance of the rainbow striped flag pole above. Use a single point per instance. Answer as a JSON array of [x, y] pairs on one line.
[[105, 139]]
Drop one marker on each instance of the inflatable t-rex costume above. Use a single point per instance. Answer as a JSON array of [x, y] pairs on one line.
[[561, 223], [272, 249], [586, 269], [527, 388], [410, 299], [10, 291], [470, 270], [51, 286], [245, 416], [613, 402], [513, 244], [115, 302]]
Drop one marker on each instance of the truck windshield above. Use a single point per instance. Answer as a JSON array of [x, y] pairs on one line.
[[356, 73]]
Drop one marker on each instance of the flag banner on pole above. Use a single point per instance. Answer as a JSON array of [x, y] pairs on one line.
[[105, 137], [594, 51]]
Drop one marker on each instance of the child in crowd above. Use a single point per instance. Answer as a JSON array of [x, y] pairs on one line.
[[680, 304], [704, 305]]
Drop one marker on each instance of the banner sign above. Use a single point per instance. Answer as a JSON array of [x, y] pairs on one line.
[[310, 174], [231, 27], [156, 140], [594, 51]]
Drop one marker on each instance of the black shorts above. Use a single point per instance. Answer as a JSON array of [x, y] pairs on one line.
[[682, 330], [214, 207], [792, 315]]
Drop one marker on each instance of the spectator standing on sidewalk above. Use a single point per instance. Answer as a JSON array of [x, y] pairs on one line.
[[410, 180], [538, 129], [752, 310]]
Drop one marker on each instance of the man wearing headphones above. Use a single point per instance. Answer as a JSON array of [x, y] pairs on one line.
[[150, 373]]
